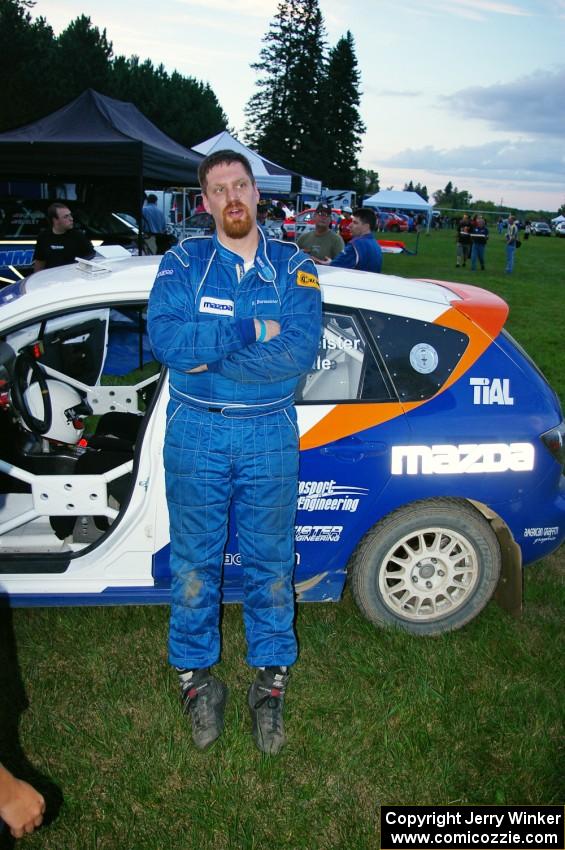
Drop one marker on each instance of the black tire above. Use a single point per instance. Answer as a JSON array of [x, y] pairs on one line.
[[428, 568]]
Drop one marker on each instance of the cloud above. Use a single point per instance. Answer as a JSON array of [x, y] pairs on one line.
[[250, 8], [527, 161], [396, 92], [534, 104], [474, 10]]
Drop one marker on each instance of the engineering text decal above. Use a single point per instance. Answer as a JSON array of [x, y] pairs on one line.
[[328, 496], [318, 533]]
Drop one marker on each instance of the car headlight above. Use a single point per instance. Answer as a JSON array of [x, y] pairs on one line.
[[554, 440]]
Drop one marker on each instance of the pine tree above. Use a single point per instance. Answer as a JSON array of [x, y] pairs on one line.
[[83, 58], [420, 190], [342, 124], [283, 116], [183, 107], [27, 48]]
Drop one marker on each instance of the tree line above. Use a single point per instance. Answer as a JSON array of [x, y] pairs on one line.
[[42, 72], [304, 114], [451, 198]]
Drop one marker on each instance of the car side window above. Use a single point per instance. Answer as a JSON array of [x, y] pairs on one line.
[[129, 352], [108, 345], [419, 356], [345, 368]]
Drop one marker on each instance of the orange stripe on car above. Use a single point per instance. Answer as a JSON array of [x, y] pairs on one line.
[[483, 308]]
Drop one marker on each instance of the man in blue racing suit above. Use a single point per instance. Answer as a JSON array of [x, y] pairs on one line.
[[237, 319], [363, 252]]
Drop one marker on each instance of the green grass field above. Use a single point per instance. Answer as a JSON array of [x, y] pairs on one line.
[[373, 717]]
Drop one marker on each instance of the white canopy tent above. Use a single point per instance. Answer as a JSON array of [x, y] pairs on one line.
[[394, 200], [558, 220], [390, 199], [271, 178]]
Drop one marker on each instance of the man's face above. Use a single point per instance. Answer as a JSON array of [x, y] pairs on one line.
[[64, 221], [358, 227], [230, 196], [322, 221]]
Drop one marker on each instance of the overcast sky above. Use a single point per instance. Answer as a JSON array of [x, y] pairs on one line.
[[471, 91]]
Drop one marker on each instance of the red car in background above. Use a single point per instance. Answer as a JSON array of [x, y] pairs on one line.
[[391, 222]]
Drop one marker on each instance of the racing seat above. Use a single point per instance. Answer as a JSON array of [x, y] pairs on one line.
[[112, 444], [116, 431]]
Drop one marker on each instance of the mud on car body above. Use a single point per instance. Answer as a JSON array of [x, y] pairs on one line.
[[431, 448]]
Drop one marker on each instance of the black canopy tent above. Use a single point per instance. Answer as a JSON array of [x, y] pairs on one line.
[[96, 136]]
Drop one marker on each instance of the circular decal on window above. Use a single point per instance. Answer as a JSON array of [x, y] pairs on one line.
[[423, 358]]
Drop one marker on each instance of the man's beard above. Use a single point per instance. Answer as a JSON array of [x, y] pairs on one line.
[[238, 228]]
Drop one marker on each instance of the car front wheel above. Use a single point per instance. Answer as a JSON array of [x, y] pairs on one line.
[[427, 568]]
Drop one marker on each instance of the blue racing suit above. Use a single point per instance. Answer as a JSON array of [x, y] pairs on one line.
[[363, 253], [231, 435]]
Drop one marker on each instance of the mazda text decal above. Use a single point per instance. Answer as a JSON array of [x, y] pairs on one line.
[[218, 306], [328, 496], [468, 457]]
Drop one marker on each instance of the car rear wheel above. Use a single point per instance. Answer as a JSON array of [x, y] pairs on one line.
[[427, 568]]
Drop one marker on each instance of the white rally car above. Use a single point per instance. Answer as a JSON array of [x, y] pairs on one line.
[[431, 448]]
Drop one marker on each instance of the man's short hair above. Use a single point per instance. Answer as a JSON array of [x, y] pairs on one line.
[[225, 157], [53, 210], [367, 216], [151, 199]]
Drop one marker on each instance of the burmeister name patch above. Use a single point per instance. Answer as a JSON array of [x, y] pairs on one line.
[[305, 279]]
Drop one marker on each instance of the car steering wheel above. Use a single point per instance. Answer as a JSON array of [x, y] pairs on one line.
[[26, 371]]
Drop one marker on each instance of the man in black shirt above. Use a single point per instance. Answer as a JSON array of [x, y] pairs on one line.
[[59, 245]]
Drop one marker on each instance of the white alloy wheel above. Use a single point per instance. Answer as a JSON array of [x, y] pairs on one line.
[[429, 573], [427, 568]]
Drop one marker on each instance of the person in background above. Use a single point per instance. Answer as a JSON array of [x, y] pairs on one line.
[[363, 252], [154, 226], [61, 243], [511, 242], [463, 241], [262, 214], [21, 806], [321, 243], [344, 226], [479, 238]]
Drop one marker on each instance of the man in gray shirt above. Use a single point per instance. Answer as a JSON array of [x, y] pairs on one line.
[[321, 243]]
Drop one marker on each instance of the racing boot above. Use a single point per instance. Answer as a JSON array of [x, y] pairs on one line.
[[204, 698], [266, 704]]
